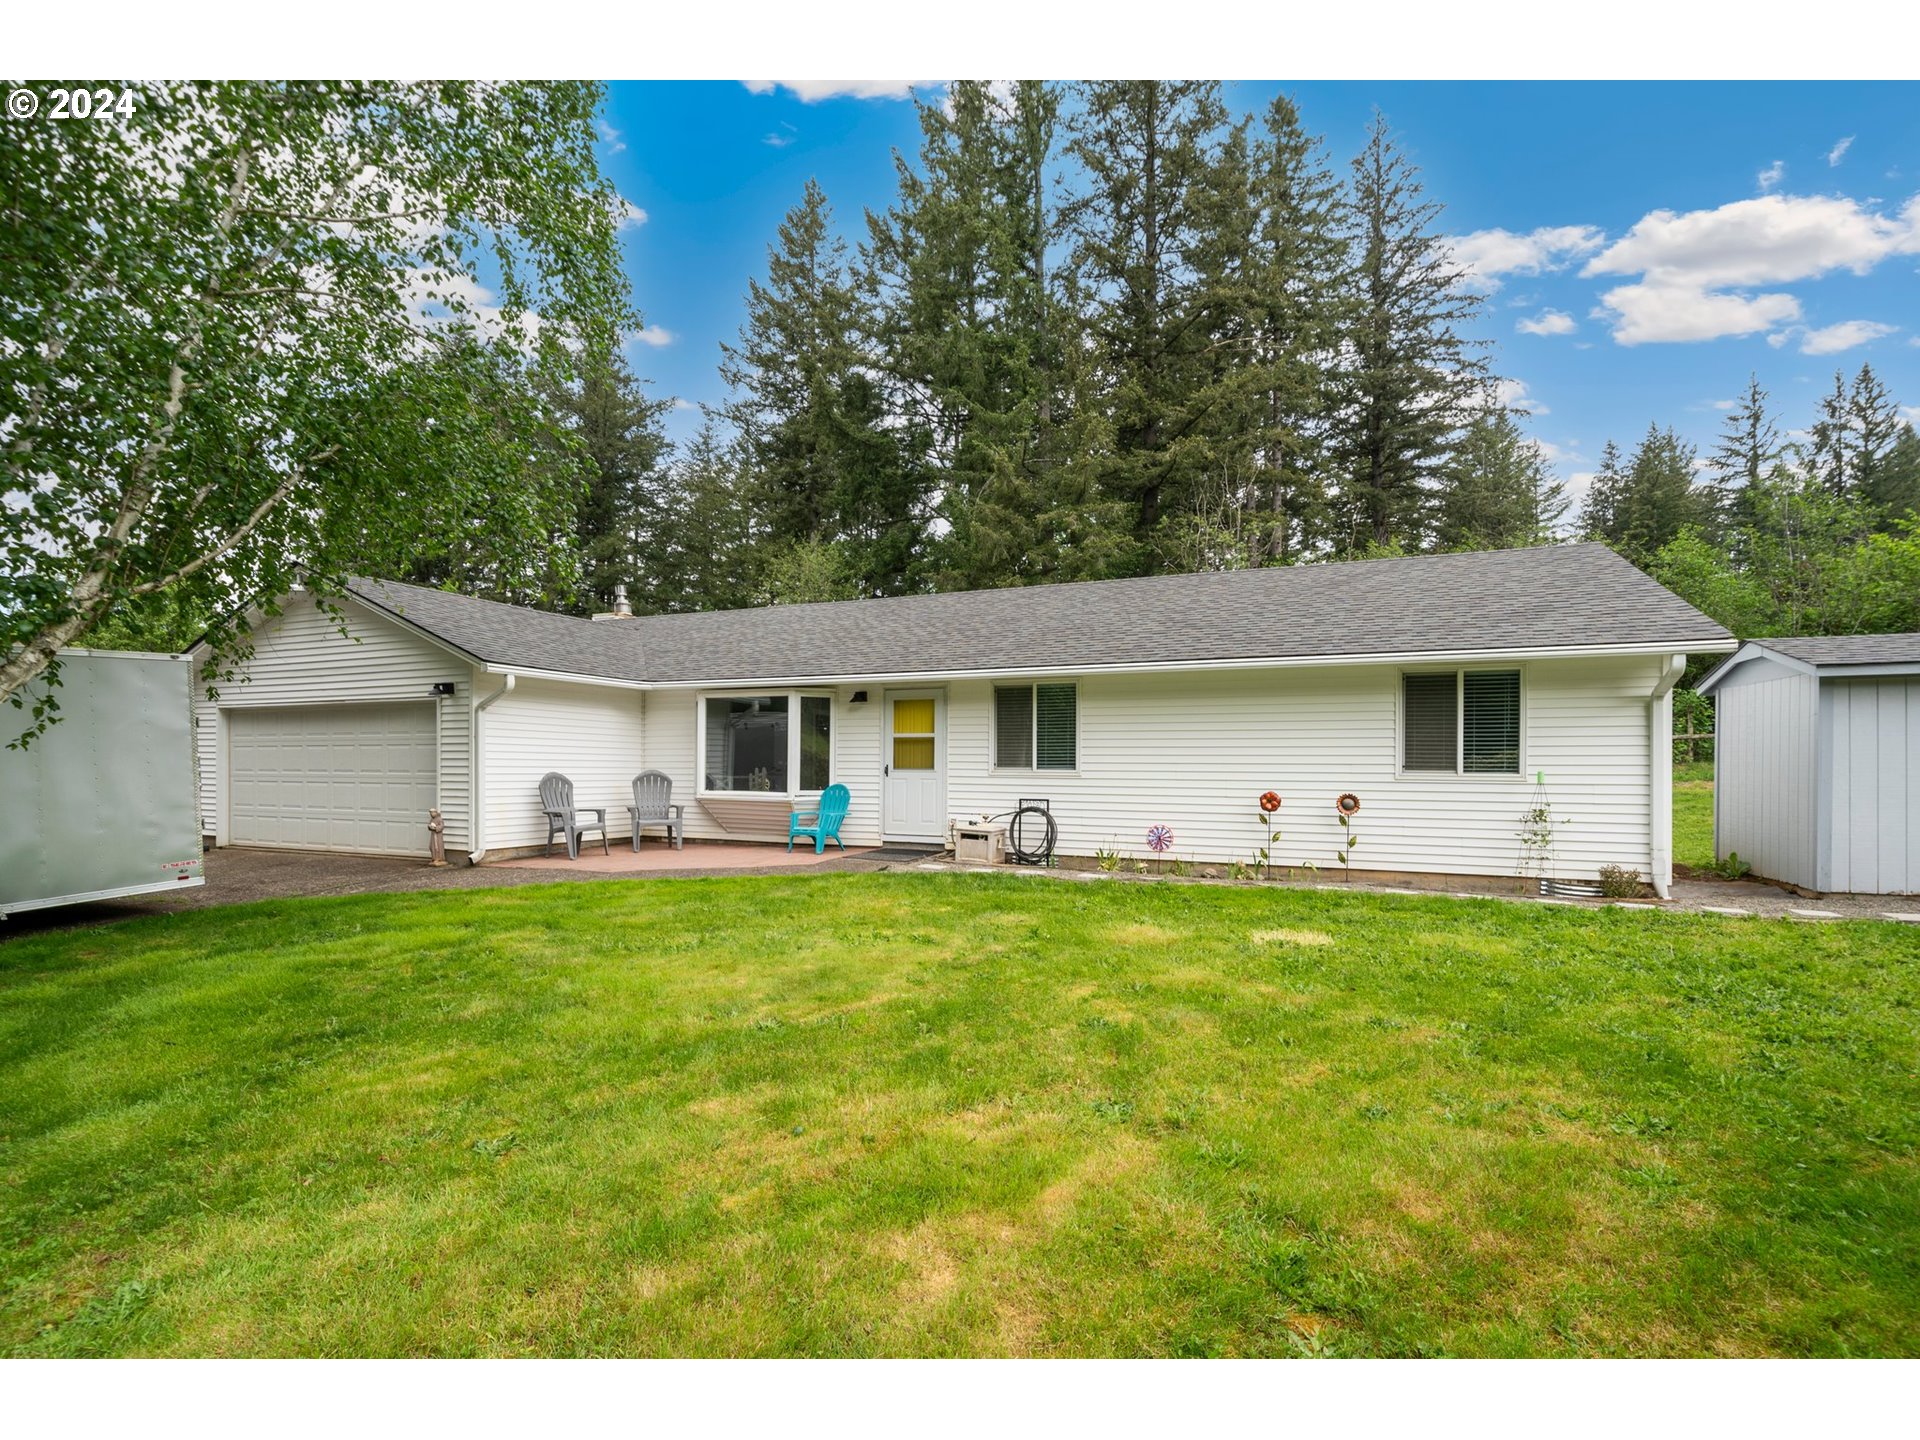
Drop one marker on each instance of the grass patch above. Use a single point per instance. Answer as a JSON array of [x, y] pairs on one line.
[[946, 1114], [1693, 815]]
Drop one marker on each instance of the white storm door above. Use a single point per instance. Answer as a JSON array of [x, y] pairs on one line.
[[913, 785]]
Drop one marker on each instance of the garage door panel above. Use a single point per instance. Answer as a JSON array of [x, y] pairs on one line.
[[332, 777]]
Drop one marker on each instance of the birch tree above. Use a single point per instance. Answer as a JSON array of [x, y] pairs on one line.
[[253, 334]]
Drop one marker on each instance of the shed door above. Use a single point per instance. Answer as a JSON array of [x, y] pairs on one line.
[[332, 777]]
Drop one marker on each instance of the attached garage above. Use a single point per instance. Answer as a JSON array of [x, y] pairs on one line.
[[1817, 761], [332, 777]]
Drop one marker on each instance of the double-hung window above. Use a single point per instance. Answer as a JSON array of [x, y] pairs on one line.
[[1036, 727], [1460, 722], [779, 744]]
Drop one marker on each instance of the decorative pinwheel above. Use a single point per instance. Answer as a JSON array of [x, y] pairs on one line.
[[1159, 838]]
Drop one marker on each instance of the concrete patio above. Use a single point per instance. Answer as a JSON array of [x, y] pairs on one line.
[[699, 857]]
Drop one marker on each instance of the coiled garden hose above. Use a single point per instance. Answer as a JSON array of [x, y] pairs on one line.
[[1018, 838]]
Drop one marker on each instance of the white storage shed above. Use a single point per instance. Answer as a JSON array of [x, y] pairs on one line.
[[1817, 761]]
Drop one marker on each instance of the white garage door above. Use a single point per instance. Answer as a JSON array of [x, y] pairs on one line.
[[332, 777]]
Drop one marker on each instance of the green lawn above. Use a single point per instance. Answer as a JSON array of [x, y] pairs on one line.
[[1693, 815], [886, 1114]]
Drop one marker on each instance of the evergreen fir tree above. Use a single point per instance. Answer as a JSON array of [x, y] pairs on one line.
[[1600, 514], [1412, 382], [1499, 492], [1748, 447], [1151, 153], [618, 424], [1885, 477], [811, 412], [1895, 489], [1831, 456], [959, 266], [703, 551], [1297, 278], [1658, 498]]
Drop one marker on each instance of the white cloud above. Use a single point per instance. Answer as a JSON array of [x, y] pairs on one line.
[[1832, 339], [1676, 314], [1839, 151], [680, 402], [1513, 395], [1770, 177], [1555, 454], [811, 92], [782, 137], [610, 135], [1547, 322], [1488, 254], [1688, 262], [1767, 241], [630, 214], [655, 335]]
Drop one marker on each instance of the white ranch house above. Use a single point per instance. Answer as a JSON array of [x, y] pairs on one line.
[[1433, 687]]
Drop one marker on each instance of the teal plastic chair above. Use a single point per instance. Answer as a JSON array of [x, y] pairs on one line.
[[825, 822]]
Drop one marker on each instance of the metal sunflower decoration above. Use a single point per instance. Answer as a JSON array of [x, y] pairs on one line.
[[1346, 807], [1263, 857]]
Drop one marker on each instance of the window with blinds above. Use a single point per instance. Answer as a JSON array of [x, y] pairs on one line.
[[1490, 722], [1013, 727], [1056, 725], [1464, 722], [1430, 721], [1036, 727]]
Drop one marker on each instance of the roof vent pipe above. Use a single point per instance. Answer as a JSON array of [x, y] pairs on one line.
[[621, 609]]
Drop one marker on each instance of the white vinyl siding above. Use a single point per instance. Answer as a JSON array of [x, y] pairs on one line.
[[1764, 720], [300, 658], [1195, 751], [592, 734]]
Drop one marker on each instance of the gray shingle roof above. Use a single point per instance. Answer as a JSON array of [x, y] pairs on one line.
[[1848, 649], [1558, 597], [512, 634]]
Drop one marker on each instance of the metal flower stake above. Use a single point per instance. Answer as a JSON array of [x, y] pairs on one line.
[[1346, 807], [1269, 803], [1159, 840]]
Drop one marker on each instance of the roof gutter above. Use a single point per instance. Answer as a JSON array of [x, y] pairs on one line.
[[479, 801], [1660, 773], [1280, 662]]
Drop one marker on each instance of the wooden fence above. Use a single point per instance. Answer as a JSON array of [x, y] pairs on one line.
[[1698, 743]]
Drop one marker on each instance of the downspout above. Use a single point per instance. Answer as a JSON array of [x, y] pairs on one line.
[[478, 802], [1660, 772]]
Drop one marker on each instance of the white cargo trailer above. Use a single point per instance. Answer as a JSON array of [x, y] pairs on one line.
[[102, 804]]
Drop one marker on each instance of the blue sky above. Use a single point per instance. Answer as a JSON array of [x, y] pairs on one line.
[[1645, 246]]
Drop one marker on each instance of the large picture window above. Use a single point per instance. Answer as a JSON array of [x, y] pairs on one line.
[[1036, 727], [1460, 722], [763, 744]]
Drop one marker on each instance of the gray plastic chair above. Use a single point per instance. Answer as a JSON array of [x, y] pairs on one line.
[[653, 805], [556, 798]]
